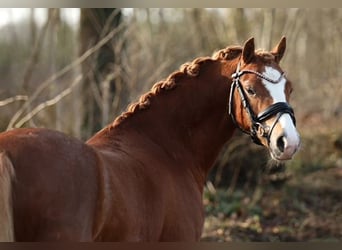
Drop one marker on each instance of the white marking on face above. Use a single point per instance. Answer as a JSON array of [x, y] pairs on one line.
[[289, 131], [276, 90]]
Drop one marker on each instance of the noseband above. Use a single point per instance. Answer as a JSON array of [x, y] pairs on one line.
[[276, 109]]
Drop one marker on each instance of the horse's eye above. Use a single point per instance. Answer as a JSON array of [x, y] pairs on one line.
[[251, 91]]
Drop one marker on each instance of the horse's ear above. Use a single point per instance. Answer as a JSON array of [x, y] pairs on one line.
[[248, 50], [279, 50]]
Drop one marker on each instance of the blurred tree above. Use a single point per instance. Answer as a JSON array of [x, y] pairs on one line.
[[33, 26], [37, 50], [267, 28], [240, 23], [198, 21], [95, 24], [52, 38]]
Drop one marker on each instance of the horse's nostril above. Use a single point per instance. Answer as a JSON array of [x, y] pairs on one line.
[[281, 143]]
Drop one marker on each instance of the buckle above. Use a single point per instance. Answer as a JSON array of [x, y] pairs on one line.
[[235, 75]]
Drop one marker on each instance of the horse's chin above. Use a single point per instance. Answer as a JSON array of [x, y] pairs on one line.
[[279, 158]]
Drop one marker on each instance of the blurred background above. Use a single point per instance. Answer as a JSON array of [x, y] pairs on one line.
[[75, 70]]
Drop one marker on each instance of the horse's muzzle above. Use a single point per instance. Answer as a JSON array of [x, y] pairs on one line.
[[285, 140]]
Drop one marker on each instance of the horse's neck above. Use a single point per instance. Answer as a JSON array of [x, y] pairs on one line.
[[189, 122]]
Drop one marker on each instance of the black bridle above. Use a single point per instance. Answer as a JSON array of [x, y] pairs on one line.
[[276, 109]]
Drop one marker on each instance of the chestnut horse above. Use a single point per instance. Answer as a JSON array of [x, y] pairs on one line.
[[141, 178]]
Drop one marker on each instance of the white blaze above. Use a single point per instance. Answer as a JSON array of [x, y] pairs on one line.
[[277, 91]]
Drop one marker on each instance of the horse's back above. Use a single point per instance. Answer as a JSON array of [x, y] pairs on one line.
[[55, 185]]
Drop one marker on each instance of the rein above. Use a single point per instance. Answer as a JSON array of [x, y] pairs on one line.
[[276, 109]]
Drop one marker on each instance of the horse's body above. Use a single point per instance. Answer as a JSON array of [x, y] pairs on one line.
[[139, 179]]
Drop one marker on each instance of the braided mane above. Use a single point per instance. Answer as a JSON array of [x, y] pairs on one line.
[[190, 69]]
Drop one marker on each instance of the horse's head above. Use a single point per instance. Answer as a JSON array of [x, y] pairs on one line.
[[259, 97]]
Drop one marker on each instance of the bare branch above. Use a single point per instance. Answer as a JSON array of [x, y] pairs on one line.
[[48, 103], [13, 99], [63, 71]]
